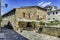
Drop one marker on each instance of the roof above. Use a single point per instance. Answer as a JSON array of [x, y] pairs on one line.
[[8, 13], [33, 7], [48, 6], [23, 7]]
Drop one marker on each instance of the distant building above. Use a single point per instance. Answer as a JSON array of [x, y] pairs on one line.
[[50, 8], [54, 8], [24, 15], [53, 15]]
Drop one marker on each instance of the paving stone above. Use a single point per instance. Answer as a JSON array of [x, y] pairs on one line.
[[26, 35], [12, 35], [36, 36]]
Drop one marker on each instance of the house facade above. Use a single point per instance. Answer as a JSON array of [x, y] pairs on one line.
[[20, 17], [50, 8], [53, 15]]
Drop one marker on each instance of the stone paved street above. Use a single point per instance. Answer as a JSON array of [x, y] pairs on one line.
[[26, 35], [31, 35], [12, 35]]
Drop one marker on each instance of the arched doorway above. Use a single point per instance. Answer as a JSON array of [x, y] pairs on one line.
[[29, 25], [9, 26]]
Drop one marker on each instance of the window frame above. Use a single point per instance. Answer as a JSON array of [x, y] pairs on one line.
[[29, 15], [23, 14], [56, 12], [37, 17], [53, 13]]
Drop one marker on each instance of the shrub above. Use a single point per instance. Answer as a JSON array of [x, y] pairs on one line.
[[42, 23], [55, 22], [32, 23]]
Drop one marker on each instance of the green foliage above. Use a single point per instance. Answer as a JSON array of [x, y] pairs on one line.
[[55, 22], [51, 21], [40, 18], [32, 23], [42, 23]]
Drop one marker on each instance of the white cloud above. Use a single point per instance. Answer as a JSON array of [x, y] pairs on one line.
[[43, 4], [40, 3]]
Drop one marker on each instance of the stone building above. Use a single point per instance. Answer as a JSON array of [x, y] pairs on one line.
[[19, 17]]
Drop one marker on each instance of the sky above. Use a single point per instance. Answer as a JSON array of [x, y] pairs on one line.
[[20, 3]]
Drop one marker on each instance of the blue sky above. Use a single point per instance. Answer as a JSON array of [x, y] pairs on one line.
[[19, 3]]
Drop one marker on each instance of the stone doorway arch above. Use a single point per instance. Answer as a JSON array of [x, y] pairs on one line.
[[9, 25]]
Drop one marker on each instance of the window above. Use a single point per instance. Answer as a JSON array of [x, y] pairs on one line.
[[50, 9], [56, 12], [37, 17], [23, 14], [29, 15], [53, 13]]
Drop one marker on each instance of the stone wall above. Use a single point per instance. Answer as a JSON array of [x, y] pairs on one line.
[[34, 11], [8, 19], [31, 11], [54, 31], [33, 14], [42, 14]]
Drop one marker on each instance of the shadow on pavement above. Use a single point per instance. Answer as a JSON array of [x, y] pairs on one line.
[[11, 34]]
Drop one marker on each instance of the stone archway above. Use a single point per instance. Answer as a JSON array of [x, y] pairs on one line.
[[29, 25], [9, 26]]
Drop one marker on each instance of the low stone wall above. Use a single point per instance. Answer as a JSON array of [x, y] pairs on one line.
[[54, 31]]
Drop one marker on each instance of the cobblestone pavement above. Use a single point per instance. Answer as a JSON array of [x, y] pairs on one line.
[[31, 35], [12, 35]]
